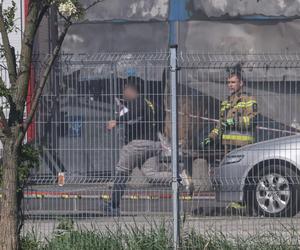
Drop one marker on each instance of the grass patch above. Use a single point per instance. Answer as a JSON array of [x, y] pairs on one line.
[[158, 237]]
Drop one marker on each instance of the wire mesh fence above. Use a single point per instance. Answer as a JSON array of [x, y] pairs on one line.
[[105, 128]]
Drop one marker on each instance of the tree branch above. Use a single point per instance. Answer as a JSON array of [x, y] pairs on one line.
[[8, 50], [43, 80], [93, 4], [33, 20], [45, 74], [83, 9]]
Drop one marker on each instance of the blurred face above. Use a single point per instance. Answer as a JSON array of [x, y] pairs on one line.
[[130, 93], [234, 84]]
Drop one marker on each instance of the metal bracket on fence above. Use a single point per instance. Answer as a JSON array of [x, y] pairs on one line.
[[175, 172]]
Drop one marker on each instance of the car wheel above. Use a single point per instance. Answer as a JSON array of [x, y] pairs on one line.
[[273, 192]]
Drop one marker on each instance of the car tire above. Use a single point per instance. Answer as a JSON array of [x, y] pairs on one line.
[[273, 192]]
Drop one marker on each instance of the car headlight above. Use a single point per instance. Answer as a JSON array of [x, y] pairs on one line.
[[233, 159]]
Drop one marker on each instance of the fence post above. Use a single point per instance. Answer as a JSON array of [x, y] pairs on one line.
[[175, 172]]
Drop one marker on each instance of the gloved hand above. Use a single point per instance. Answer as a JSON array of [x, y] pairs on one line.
[[228, 123], [206, 142]]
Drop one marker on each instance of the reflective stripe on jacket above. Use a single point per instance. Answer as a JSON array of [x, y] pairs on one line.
[[236, 137]]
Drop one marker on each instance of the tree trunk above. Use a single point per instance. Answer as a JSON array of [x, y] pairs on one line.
[[9, 212]]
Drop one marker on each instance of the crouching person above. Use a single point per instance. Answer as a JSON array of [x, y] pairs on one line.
[[140, 137]]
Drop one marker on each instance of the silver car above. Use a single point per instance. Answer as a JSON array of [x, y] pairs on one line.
[[264, 176]]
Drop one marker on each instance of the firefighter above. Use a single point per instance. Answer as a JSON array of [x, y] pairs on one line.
[[237, 118]]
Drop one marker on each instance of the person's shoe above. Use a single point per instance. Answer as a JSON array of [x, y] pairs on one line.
[[107, 209], [187, 182]]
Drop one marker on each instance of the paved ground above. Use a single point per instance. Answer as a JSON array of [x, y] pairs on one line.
[[202, 213], [143, 205]]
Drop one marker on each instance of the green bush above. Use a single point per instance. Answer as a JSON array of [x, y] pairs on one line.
[[30, 242], [157, 237], [128, 237]]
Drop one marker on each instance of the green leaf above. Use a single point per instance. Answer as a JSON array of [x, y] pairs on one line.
[[9, 17]]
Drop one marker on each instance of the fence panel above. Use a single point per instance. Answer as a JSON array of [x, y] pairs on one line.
[[231, 183], [241, 189]]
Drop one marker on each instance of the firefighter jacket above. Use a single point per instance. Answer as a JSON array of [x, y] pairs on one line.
[[237, 122]]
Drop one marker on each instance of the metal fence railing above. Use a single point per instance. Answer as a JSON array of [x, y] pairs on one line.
[[227, 125]]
